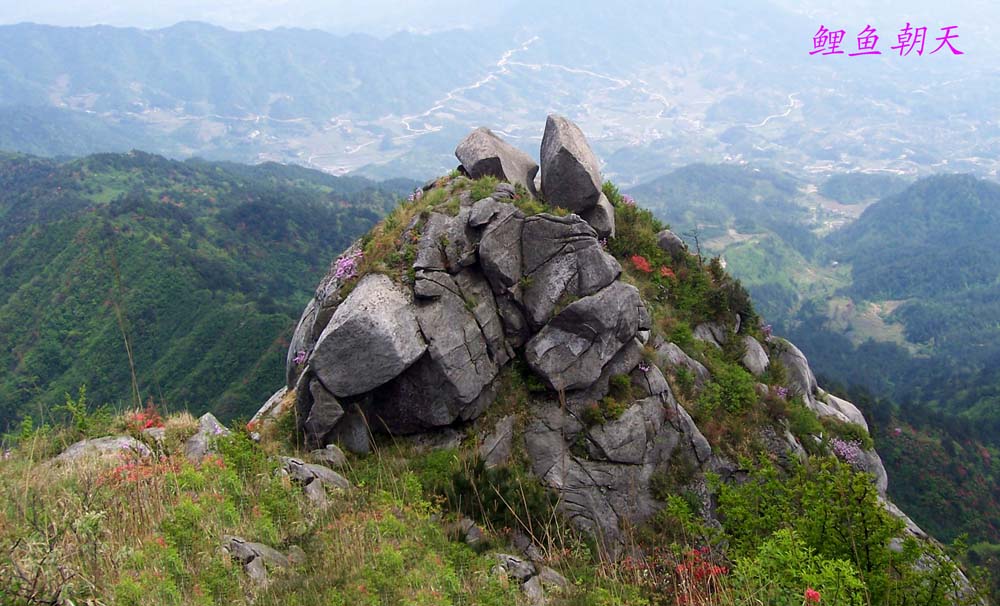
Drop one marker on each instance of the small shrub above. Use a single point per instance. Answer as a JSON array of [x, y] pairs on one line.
[[483, 187]]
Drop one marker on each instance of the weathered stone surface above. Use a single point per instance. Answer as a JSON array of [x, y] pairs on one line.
[[324, 414], [352, 432], [601, 217], [847, 409], [447, 243], [514, 567], [515, 326], [571, 176], [476, 293], [504, 191], [496, 448], [101, 447], [301, 344], [600, 495], [754, 357], [872, 463], [456, 342], [671, 243], [534, 595], [500, 249], [482, 211], [254, 557], [572, 349], [561, 259], [484, 153], [801, 380], [273, 408], [710, 332], [372, 337], [200, 444], [671, 355], [307, 473], [331, 456]]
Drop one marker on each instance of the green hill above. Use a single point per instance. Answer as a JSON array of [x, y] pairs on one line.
[[199, 266]]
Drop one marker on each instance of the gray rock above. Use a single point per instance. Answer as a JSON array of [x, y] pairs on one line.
[[571, 350], [571, 176], [500, 249], [273, 408], [872, 464], [331, 457], [561, 259], [514, 567], [534, 595], [504, 190], [801, 380], [601, 496], [601, 217], [754, 357], [257, 572], [371, 338], [324, 414], [650, 382], [352, 432], [102, 447], [301, 344], [456, 344], [447, 243], [483, 153], [551, 579], [496, 448], [307, 473], [476, 293], [710, 332], [515, 326], [482, 211], [446, 438], [155, 435], [201, 443], [254, 557], [848, 410], [316, 493], [671, 243], [671, 355]]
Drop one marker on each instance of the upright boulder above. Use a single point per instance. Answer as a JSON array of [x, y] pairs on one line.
[[571, 177], [483, 153], [371, 338]]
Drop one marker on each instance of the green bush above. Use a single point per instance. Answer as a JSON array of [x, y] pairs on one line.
[[732, 389]]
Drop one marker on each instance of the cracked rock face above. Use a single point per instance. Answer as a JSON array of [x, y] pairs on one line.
[[571, 350]]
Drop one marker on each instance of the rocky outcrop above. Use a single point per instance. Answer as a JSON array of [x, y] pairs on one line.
[[483, 153], [418, 350], [202, 442]]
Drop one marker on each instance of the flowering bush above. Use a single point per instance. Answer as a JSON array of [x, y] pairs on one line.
[[628, 200], [698, 578], [300, 357], [346, 267], [848, 451], [811, 595], [147, 418], [781, 392], [641, 263], [666, 272]]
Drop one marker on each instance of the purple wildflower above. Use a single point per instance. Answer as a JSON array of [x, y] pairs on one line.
[[604, 243], [782, 392], [848, 451], [644, 366], [628, 200], [347, 266], [300, 357], [766, 329], [416, 195]]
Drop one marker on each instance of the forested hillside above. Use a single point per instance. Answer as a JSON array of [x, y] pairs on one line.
[[196, 269]]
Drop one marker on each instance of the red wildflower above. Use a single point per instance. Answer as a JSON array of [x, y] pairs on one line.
[[812, 595], [666, 272], [641, 263]]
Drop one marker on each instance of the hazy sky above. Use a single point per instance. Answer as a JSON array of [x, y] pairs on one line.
[[386, 16]]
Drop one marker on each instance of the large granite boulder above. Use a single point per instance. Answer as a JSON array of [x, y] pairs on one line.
[[561, 258], [483, 153], [754, 357], [372, 337], [571, 350], [671, 243], [670, 355], [571, 177]]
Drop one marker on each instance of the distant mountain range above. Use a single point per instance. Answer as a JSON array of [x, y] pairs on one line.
[[201, 267], [657, 87]]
